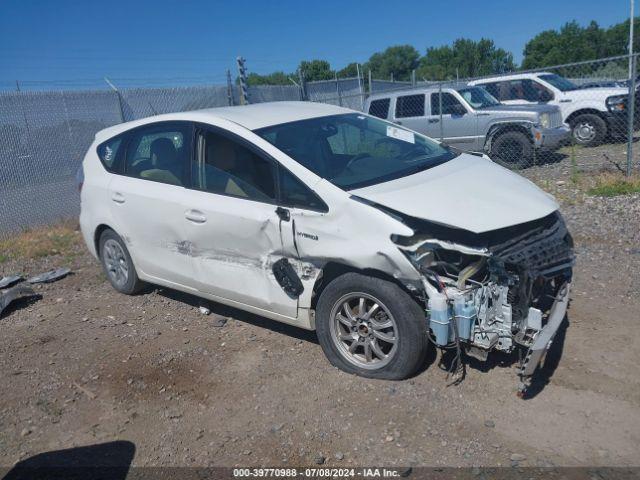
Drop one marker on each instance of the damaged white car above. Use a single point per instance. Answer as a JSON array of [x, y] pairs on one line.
[[377, 237]]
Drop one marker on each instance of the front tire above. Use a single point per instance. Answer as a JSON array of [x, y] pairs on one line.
[[588, 129], [512, 150], [371, 327], [117, 264]]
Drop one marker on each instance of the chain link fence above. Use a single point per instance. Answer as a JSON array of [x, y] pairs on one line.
[[581, 111]]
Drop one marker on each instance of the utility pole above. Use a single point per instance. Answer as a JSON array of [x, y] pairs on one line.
[[242, 73]]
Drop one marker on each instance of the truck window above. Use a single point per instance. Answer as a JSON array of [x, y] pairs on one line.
[[410, 106], [449, 103], [380, 108]]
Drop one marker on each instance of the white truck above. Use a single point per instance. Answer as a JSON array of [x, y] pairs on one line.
[[592, 113]]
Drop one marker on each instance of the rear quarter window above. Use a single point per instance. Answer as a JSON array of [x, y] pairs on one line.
[[380, 108], [108, 152]]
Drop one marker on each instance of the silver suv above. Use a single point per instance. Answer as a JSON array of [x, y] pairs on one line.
[[471, 119]]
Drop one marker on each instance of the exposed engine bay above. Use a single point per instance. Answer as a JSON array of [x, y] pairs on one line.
[[498, 290]]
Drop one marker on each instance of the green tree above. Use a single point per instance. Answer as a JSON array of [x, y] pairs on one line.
[[464, 58], [574, 43], [398, 61], [275, 78], [316, 70], [350, 70]]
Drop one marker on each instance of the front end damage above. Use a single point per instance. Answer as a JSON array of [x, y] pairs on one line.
[[503, 290]]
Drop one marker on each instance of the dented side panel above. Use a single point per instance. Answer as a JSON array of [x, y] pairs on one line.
[[234, 250]]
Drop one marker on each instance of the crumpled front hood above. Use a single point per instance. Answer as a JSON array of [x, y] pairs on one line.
[[468, 192]]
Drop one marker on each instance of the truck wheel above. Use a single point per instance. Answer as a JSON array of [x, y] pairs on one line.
[[512, 150], [371, 327], [588, 129], [117, 264]]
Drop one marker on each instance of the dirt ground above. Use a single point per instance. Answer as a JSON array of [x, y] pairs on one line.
[[84, 365]]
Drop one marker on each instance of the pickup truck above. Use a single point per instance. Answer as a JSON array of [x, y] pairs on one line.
[[471, 119], [593, 114]]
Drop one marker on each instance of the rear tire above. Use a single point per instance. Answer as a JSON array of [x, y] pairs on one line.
[[588, 130], [117, 264], [512, 150], [388, 320]]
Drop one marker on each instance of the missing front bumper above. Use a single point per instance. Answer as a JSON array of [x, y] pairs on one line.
[[544, 339]]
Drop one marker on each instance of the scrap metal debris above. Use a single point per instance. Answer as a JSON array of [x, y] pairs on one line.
[[15, 293], [50, 276], [9, 280]]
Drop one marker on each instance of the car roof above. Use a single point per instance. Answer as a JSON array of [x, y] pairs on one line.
[[513, 76], [417, 90], [251, 117]]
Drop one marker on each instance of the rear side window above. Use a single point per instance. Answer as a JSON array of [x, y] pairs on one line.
[[294, 193], [108, 152], [492, 88], [380, 108], [410, 106], [159, 153]]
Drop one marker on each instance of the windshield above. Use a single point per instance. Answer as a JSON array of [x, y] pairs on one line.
[[478, 97], [354, 151], [559, 82]]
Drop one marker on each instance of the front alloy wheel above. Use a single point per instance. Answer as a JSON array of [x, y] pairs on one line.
[[371, 327], [364, 330]]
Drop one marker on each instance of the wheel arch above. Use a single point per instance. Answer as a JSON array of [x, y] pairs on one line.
[[335, 269], [97, 234], [585, 111], [501, 128]]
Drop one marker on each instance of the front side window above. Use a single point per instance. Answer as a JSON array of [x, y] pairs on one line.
[[450, 104], [354, 150], [226, 167], [410, 106], [294, 193], [159, 153], [108, 151], [380, 108]]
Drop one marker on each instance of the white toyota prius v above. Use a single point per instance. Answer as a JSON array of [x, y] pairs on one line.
[[377, 237]]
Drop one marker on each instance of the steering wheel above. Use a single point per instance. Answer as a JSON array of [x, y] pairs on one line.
[[356, 158]]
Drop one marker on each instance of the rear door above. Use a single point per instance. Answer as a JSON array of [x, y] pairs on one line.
[[458, 123], [237, 230], [409, 111], [147, 200]]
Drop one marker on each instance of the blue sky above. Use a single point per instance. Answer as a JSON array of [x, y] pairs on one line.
[[83, 41]]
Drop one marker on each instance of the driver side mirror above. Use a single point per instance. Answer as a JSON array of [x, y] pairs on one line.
[[457, 109], [545, 96]]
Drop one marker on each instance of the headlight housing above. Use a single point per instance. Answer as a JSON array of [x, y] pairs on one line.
[[617, 103], [545, 120]]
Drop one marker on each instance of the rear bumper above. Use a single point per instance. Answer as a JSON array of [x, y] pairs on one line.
[[552, 138], [543, 341]]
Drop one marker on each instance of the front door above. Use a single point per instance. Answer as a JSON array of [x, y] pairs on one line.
[[457, 124], [233, 224], [147, 201]]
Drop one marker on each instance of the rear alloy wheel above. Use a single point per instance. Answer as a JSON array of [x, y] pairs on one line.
[[588, 129], [512, 150], [371, 327], [117, 264]]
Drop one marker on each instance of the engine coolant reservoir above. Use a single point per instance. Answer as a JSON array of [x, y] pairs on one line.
[[465, 313], [439, 319]]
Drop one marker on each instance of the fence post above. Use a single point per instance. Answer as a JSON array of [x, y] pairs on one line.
[[303, 86], [230, 99], [440, 109], [338, 89], [360, 87], [242, 73], [370, 83], [113, 87], [631, 110], [413, 78]]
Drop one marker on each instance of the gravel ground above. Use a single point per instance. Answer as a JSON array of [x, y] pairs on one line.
[[85, 365]]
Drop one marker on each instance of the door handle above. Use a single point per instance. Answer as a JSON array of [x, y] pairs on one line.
[[283, 213], [565, 101], [117, 197], [433, 120], [195, 216]]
